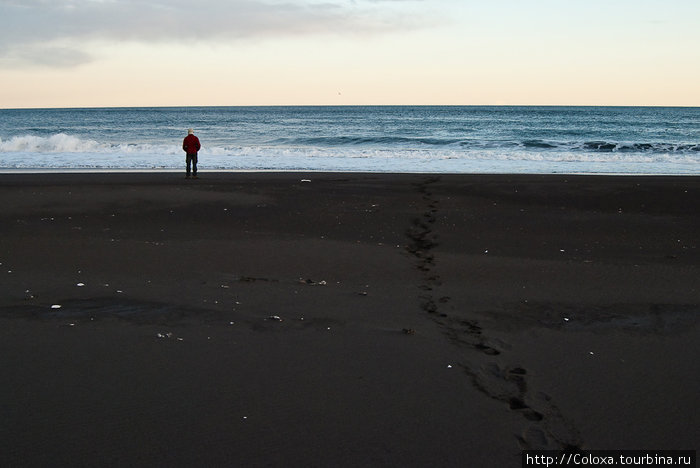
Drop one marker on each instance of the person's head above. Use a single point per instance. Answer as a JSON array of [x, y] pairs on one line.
[[190, 131]]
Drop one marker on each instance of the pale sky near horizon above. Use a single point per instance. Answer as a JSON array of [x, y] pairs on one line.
[[94, 53]]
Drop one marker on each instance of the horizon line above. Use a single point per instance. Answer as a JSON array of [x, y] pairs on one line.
[[658, 106]]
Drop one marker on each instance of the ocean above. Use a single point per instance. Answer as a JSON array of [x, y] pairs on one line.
[[439, 139]]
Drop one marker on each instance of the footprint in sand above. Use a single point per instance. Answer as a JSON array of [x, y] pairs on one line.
[[551, 430]]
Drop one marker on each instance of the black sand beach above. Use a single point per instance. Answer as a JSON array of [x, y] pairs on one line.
[[328, 319]]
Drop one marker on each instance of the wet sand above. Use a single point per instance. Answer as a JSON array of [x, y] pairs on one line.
[[328, 319]]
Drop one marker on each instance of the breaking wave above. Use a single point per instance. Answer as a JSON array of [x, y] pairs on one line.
[[63, 143], [399, 154]]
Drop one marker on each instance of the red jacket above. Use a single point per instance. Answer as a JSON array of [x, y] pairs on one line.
[[191, 144]]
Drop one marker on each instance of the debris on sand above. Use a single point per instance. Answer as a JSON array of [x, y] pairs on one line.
[[312, 282]]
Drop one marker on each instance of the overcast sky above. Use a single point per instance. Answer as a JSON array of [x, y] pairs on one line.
[[74, 53]]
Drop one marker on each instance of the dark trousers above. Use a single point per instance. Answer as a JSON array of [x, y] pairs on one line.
[[191, 159]]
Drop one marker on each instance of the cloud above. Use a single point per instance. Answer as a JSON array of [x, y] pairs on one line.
[[44, 56], [48, 32]]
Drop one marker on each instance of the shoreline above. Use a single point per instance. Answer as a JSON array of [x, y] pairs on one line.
[[376, 319], [10, 171]]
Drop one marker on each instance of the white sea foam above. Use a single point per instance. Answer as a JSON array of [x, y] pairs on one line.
[[65, 152], [59, 143], [63, 143]]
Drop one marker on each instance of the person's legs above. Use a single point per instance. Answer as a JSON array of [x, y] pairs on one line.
[[194, 165], [188, 161]]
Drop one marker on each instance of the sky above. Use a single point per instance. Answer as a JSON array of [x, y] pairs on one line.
[[103, 53]]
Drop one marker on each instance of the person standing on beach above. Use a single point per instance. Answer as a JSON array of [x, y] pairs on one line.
[[191, 146]]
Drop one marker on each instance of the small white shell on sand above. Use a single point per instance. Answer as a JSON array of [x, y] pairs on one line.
[[56, 306], [80, 285]]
